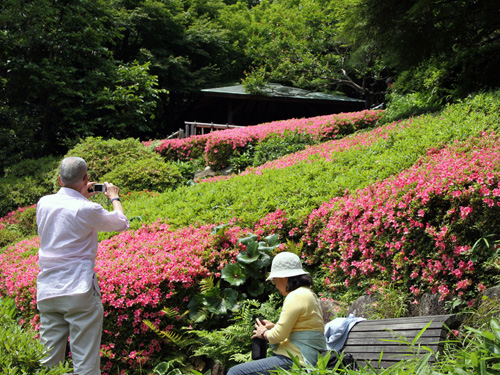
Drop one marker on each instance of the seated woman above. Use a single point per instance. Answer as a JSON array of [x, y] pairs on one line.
[[299, 331]]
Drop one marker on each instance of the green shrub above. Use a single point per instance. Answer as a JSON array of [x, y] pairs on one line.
[[103, 156], [189, 168], [241, 160], [8, 237], [274, 147], [20, 350], [17, 225], [390, 302], [27, 222], [25, 183], [151, 173], [404, 106]]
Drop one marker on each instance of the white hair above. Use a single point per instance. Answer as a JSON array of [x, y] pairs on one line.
[[72, 170]]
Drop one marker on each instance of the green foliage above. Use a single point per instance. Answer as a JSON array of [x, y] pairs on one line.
[[299, 43], [104, 156], [8, 237], [409, 105], [152, 174], [212, 301], [456, 41], [274, 147], [242, 160], [251, 263], [484, 309], [25, 183], [226, 344], [21, 224], [131, 100], [390, 302], [231, 345], [20, 350], [63, 81], [245, 277], [182, 341], [480, 353], [166, 368], [188, 169]]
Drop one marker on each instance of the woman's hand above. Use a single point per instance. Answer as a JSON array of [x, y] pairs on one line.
[[268, 324], [261, 327]]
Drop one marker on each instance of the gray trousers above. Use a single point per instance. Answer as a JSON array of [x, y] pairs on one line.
[[78, 317]]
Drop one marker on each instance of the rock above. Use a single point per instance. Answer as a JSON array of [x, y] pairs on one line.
[[227, 171], [207, 172], [492, 293], [329, 308], [428, 304], [218, 369], [362, 306]]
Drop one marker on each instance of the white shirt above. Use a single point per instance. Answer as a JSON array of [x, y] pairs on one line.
[[67, 225]]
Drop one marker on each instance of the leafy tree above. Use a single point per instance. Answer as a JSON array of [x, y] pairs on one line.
[[188, 44], [458, 39], [299, 42], [59, 80]]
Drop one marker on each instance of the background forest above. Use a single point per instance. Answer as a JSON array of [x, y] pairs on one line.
[[130, 68]]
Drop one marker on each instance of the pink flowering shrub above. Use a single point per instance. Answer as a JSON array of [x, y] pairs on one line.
[[180, 149], [417, 228], [140, 273], [18, 273], [327, 151], [144, 271], [220, 145]]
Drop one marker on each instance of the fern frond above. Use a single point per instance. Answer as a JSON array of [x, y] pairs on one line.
[[151, 326], [171, 313], [293, 247], [171, 336], [206, 284]]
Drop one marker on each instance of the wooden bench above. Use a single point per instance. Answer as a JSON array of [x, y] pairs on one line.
[[365, 340]]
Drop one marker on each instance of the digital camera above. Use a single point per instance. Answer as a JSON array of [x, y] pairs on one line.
[[99, 188]]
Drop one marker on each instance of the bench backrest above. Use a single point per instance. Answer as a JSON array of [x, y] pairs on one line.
[[365, 340]]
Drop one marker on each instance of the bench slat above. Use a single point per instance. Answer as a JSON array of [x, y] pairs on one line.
[[378, 341], [364, 340]]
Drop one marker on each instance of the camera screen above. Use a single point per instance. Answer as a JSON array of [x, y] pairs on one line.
[[99, 187]]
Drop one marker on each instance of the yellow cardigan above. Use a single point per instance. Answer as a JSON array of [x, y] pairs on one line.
[[301, 312]]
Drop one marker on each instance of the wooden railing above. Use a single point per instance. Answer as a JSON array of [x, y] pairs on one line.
[[191, 127]]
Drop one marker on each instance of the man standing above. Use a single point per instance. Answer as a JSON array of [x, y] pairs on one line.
[[68, 293]]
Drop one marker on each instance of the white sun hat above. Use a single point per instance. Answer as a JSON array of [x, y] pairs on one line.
[[286, 264]]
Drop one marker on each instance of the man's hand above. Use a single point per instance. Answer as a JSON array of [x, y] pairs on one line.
[[112, 193], [87, 190]]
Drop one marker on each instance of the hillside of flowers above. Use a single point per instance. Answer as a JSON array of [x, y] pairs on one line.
[[312, 177], [324, 151], [413, 204], [218, 147], [419, 228]]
